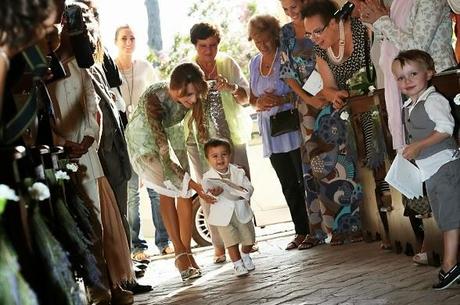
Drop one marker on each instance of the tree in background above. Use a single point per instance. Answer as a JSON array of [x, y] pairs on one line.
[[231, 16], [155, 41]]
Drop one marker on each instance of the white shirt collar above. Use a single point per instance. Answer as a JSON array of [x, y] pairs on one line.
[[422, 97]]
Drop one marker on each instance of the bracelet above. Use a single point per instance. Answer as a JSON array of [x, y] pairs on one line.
[[235, 90], [5, 59]]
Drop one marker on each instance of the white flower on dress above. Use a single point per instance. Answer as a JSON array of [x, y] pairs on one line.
[[61, 175], [345, 116], [457, 99], [73, 167], [8, 193], [375, 113], [39, 191], [371, 89]]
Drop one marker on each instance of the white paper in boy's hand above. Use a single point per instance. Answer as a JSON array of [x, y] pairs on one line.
[[229, 188], [405, 177], [314, 83]]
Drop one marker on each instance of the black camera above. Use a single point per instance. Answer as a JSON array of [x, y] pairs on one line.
[[79, 35], [344, 11], [57, 69]]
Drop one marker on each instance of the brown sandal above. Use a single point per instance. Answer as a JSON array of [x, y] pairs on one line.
[[309, 242], [356, 237], [294, 244], [337, 239]]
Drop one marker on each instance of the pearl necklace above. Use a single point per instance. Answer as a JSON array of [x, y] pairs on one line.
[[338, 59], [271, 66]]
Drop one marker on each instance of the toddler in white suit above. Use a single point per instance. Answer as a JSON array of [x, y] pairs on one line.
[[231, 213]]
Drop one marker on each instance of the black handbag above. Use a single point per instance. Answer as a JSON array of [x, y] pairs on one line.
[[284, 122]]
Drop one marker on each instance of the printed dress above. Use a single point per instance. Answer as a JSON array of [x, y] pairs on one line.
[[332, 148], [298, 62], [157, 120]]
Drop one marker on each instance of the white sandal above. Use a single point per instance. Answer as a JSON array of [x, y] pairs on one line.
[[420, 258], [190, 272]]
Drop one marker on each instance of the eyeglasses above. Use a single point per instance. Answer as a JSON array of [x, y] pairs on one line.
[[316, 34]]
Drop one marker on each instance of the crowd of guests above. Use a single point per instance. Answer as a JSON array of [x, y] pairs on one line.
[[127, 128]]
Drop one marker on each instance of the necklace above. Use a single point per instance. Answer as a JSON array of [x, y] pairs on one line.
[[206, 73], [271, 66], [130, 88], [338, 59]]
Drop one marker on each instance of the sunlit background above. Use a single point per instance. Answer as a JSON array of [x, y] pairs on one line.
[[173, 16]]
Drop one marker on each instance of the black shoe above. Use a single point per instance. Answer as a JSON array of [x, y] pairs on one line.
[[447, 278], [140, 266], [138, 273], [137, 288]]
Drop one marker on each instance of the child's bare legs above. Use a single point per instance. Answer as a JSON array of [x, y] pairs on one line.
[[234, 253], [451, 244], [246, 249]]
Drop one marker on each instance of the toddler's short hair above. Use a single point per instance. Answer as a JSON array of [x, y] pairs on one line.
[[419, 56], [216, 142]]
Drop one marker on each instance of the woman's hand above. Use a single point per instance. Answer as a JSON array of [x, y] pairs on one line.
[[268, 101], [222, 84], [372, 10], [208, 198], [334, 96], [216, 191], [201, 193]]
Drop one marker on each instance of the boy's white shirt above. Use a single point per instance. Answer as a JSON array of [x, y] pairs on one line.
[[222, 210], [438, 109]]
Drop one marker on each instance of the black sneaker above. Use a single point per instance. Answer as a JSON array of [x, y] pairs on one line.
[[137, 288], [447, 278]]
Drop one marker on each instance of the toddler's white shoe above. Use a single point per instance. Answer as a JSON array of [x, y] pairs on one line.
[[240, 270], [247, 262]]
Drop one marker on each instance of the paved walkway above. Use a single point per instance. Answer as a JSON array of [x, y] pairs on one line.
[[358, 273]]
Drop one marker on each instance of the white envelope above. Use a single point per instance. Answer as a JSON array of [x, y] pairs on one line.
[[405, 177], [314, 83]]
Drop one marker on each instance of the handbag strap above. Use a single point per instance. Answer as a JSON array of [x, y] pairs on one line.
[[367, 55]]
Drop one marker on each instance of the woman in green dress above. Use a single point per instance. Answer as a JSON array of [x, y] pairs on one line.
[[155, 136]]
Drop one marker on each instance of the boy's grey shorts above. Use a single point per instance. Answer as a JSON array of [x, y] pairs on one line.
[[443, 189]]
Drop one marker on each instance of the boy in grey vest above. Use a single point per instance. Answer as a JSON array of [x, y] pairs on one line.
[[429, 127]]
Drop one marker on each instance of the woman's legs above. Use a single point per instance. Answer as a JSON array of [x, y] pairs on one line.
[[288, 169], [184, 212], [172, 219]]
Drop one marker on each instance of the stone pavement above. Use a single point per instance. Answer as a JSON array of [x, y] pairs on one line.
[[358, 273]]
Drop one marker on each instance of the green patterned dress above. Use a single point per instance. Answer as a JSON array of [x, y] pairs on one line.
[[156, 142]]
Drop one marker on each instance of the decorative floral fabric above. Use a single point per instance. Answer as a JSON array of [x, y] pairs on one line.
[[149, 136]]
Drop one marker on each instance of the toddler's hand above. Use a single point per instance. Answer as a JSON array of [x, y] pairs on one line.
[[411, 151]]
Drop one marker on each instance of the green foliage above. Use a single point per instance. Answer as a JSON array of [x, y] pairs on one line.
[[232, 18]]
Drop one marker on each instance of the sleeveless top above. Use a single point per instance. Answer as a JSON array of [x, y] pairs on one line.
[[357, 60]]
